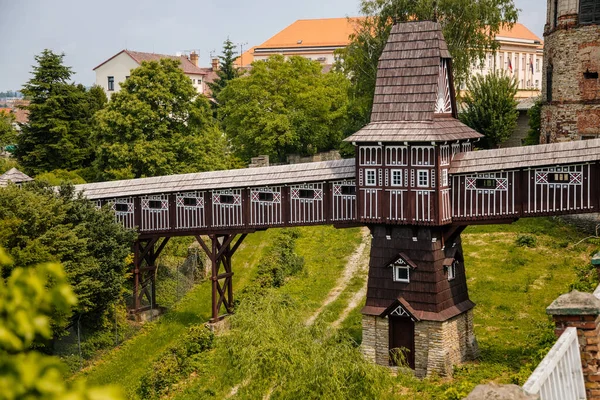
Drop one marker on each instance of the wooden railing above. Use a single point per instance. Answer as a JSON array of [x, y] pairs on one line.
[[559, 376]]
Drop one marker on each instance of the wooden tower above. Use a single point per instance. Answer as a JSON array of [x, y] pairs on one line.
[[417, 292]]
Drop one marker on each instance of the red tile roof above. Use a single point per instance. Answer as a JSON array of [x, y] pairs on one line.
[[186, 65]]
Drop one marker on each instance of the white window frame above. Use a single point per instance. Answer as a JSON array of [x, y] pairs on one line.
[[394, 172], [445, 177], [452, 271], [397, 268], [367, 180], [426, 175]]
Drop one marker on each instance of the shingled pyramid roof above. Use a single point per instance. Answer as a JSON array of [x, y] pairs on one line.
[[15, 176], [414, 73]]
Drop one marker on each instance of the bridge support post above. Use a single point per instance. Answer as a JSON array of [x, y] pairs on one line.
[[220, 253], [145, 254]]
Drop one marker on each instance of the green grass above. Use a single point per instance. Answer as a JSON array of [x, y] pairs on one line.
[[511, 285], [325, 251]]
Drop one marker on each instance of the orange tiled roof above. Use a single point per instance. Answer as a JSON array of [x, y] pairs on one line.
[[518, 31], [246, 58], [138, 56], [314, 32]]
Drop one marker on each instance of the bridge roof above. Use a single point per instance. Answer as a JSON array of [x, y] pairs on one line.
[[227, 179], [528, 156]]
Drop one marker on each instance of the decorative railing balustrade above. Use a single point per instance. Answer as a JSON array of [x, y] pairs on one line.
[[559, 376]]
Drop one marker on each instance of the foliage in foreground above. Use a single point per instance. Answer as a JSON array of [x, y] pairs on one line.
[[491, 108], [469, 27], [283, 107], [28, 298], [272, 349], [39, 225], [158, 125]]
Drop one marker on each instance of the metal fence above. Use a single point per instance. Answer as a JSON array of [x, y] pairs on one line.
[[559, 376]]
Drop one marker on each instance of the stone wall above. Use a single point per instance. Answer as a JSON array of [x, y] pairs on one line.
[[375, 341], [574, 111], [439, 346]]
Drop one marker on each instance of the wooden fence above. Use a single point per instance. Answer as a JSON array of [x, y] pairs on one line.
[[559, 376]]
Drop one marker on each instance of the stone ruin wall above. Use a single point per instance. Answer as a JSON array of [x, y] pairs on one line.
[[574, 112]]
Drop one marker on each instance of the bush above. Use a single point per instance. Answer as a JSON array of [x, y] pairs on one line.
[[525, 241], [280, 260], [176, 362]]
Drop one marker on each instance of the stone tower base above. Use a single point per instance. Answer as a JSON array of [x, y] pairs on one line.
[[439, 345]]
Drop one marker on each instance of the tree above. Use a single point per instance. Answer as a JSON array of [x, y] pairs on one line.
[[283, 107], [469, 28], [28, 298], [158, 125], [8, 133], [58, 133], [227, 69], [40, 225], [535, 124], [491, 108]]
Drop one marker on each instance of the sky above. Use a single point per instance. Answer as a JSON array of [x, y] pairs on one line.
[[90, 32]]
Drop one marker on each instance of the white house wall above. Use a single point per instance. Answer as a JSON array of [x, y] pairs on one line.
[[119, 67]]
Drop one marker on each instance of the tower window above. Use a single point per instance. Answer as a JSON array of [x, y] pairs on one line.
[[371, 177], [549, 73], [423, 178], [402, 273], [589, 12], [590, 75]]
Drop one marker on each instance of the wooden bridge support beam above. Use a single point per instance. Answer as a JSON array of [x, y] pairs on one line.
[[145, 254], [220, 253]]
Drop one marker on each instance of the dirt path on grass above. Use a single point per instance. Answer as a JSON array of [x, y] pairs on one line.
[[357, 260]]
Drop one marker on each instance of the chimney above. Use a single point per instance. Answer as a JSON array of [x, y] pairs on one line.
[[215, 63], [194, 58]]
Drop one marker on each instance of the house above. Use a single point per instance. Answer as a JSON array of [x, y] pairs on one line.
[[520, 53], [110, 73]]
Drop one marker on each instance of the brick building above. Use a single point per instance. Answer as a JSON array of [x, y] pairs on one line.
[[571, 89]]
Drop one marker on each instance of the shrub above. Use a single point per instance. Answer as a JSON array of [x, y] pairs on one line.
[[175, 362], [525, 241], [280, 260]]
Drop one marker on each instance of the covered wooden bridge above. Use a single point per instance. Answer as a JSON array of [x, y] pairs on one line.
[[415, 182]]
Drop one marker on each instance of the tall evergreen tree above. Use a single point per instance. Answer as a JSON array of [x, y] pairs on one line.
[[57, 135], [227, 69]]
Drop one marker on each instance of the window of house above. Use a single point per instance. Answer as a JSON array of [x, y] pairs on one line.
[[559, 178], [371, 177], [485, 183], [226, 199], [537, 65], [306, 194], [190, 201], [127, 77], [111, 83], [444, 177], [490, 61], [396, 177], [452, 271], [537, 83], [423, 178], [401, 273], [194, 81], [265, 196], [348, 190], [121, 207], [589, 11]]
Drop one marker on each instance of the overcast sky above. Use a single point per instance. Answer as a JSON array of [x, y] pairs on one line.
[[91, 32]]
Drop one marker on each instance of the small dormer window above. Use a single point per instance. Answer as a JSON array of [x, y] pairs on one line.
[[402, 273], [452, 271]]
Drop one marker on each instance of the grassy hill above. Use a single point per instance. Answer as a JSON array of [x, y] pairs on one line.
[[514, 272]]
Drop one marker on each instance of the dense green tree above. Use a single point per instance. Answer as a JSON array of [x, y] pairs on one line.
[[535, 124], [39, 225], [227, 69], [491, 108], [28, 299], [158, 125], [8, 133], [58, 133], [283, 107], [469, 27]]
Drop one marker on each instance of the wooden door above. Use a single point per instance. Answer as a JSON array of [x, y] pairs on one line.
[[402, 336]]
